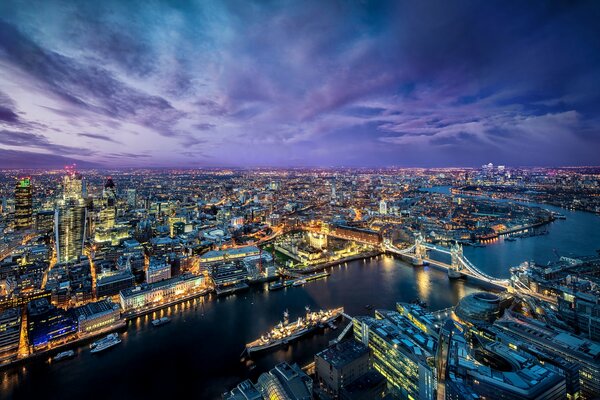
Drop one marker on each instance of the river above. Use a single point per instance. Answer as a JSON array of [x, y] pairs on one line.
[[578, 235], [197, 355]]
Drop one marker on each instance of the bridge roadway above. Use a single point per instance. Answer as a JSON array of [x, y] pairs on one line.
[[468, 270]]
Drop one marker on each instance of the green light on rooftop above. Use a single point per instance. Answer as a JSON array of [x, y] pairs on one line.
[[25, 182]]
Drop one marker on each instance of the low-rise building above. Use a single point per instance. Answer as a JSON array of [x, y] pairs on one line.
[[158, 270], [97, 316], [167, 290], [341, 364]]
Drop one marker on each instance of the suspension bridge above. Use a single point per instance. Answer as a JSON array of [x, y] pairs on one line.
[[460, 265]]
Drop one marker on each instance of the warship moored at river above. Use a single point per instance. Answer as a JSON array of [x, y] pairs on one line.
[[286, 331]]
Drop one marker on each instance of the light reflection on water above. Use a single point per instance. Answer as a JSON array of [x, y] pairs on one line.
[[203, 342]]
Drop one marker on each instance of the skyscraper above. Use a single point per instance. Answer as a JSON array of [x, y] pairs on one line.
[[382, 207], [23, 204], [70, 218], [131, 198]]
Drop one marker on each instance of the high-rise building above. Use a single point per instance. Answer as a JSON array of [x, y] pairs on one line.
[[382, 207], [23, 204], [402, 353], [10, 328], [70, 217], [131, 198], [109, 193], [333, 194]]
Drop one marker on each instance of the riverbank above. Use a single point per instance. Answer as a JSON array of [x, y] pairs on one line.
[[48, 352], [321, 267]]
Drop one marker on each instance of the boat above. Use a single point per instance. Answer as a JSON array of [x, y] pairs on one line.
[[300, 282], [276, 286], [331, 325], [510, 239], [106, 343], [112, 336], [224, 290], [285, 332], [161, 321], [64, 355]]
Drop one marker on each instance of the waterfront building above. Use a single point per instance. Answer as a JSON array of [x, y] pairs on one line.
[[401, 352], [228, 254], [246, 390], [285, 382], [158, 270], [10, 329], [354, 234], [563, 344], [317, 240], [47, 323], [96, 316], [476, 368], [23, 204], [479, 307], [141, 296], [341, 364]]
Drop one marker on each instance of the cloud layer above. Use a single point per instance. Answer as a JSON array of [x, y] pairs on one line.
[[329, 83]]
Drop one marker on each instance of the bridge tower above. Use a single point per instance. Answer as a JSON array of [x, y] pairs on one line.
[[456, 253], [420, 250]]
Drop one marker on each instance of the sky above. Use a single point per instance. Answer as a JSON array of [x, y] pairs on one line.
[[299, 83]]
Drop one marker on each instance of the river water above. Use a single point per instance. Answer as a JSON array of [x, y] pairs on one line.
[[197, 355], [578, 235]]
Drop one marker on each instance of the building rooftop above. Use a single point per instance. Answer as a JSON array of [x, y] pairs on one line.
[[343, 353]]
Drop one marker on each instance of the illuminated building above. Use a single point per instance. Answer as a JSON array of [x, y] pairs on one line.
[[382, 207], [47, 323], [70, 219], [479, 307], [166, 290], [478, 368], [23, 204], [96, 316], [44, 221], [10, 328], [131, 198], [158, 270], [176, 225], [285, 382], [112, 284], [580, 351], [229, 254], [402, 353]]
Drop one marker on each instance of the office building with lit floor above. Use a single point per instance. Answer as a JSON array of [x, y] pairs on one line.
[[401, 352], [10, 328], [575, 349], [477, 368]]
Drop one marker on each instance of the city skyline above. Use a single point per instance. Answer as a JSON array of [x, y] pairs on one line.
[[300, 84]]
